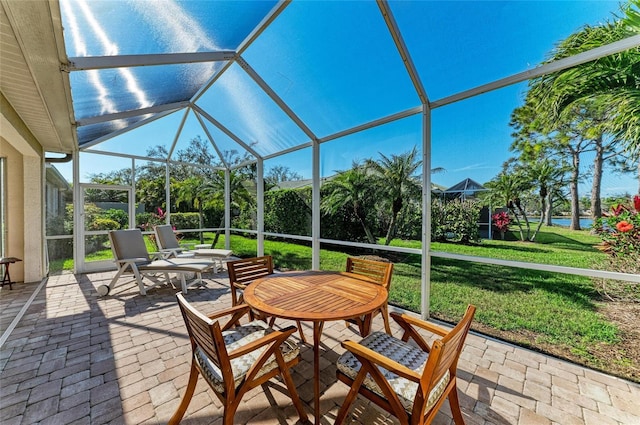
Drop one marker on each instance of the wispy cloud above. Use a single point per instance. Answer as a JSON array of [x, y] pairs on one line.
[[475, 167]]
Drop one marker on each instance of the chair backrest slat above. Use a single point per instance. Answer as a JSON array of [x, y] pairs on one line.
[[377, 271], [128, 244], [247, 270], [202, 330], [446, 351], [165, 237]]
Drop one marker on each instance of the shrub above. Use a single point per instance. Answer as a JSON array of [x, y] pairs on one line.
[[620, 233], [189, 220], [119, 216], [455, 220], [501, 221], [286, 211]]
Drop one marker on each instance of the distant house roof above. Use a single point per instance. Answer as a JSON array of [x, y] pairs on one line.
[[465, 188]]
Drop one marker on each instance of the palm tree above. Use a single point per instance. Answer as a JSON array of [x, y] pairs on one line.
[[351, 189], [506, 189], [240, 196], [547, 175], [613, 81], [194, 192], [397, 179]]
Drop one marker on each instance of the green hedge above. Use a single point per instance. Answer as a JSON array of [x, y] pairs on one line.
[[287, 211]]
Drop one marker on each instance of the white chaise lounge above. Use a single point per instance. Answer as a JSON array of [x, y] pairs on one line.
[[131, 256]]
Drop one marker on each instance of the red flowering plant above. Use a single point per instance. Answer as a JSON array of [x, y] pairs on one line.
[[501, 221], [620, 230]]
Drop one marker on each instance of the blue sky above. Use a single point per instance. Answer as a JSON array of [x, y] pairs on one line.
[[335, 65]]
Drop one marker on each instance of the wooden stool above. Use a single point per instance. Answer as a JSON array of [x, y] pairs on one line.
[[6, 280]]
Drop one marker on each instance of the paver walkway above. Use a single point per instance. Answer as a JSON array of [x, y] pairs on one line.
[[75, 358]]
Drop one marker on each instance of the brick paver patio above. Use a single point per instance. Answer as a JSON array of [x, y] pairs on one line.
[[75, 358]]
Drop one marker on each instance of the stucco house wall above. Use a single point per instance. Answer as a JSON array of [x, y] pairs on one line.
[[24, 197]]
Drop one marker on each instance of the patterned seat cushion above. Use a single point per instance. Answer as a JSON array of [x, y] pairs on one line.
[[239, 337], [399, 351]]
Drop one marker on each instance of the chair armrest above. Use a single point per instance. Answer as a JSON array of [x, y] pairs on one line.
[[241, 286], [275, 336], [229, 311], [419, 323], [406, 323], [167, 252], [157, 255], [361, 351]]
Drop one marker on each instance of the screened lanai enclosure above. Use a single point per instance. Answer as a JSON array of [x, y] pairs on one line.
[[211, 107]]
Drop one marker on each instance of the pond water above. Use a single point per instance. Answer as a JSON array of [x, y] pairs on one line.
[[585, 222]]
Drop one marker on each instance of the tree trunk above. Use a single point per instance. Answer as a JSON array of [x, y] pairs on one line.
[[548, 211], [360, 215], [543, 211], [217, 236], [573, 189], [372, 239], [596, 204], [390, 230]]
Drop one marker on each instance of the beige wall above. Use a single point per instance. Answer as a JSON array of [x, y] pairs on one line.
[[25, 234]]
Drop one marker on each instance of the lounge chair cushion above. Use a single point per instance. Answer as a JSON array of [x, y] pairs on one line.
[[236, 338], [211, 252], [399, 351], [177, 265]]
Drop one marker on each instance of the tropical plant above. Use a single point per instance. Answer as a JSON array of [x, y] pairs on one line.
[[352, 188], [194, 192], [606, 90], [620, 233], [241, 199], [501, 220], [397, 180], [507, 190]]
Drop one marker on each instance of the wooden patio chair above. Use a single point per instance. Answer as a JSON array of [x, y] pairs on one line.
[[409, 381], [377, 272], [244, 272], [235, 358], [131, 256], [169, 244]]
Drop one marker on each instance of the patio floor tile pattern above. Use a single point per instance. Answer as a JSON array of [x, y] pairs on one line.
[[76, 358]]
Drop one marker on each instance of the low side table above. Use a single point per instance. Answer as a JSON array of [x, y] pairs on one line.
[[6, 261]]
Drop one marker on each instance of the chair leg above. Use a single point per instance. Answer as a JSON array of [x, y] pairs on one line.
[[384, 310], [350, 398], [136, 273], [293, 393], [229, 412], [186, 399], [454, 403], [183, 283]]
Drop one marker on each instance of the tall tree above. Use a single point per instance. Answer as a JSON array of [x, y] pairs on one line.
[[194, 191], [397, 179], [240, 196], [607, 88], [281, 173]]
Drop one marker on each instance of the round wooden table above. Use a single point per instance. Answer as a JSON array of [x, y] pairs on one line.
[[316, 296]]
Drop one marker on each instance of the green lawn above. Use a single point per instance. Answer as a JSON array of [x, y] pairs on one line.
[[547, 311]]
